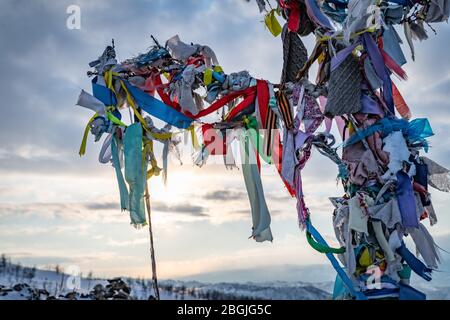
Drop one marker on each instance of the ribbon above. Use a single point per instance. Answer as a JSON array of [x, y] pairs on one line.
[[316, 14], [272, 23], [249, 99], [406, 200], [135, 168], [400, 103], [158, 109], [416, 130], [257, 141], [249, 95], [294, 14], [260, 212], [102, 93], [124, 196], [82, 151], [415, 264], [320, 247]]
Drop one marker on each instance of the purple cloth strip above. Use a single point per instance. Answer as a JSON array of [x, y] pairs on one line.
[[316, 14], [380, 69], [369, 105], [406, 200], [300, 139], [341, 56]]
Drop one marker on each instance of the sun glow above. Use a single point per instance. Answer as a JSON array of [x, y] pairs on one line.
[[178, 188]]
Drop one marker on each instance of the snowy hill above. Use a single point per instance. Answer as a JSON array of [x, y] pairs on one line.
[[23, 283]]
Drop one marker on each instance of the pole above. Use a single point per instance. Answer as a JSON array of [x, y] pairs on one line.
[[152, 248]]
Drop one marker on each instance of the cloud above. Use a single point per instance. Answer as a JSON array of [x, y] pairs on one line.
[[62, 211], [247, 213], [37, 231], [107, 212], [127, 243], [102, 206], [45, 259], [182, 208], [225, 195]]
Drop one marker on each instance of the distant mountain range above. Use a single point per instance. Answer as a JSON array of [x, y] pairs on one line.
[[319, 276], [286, 273]]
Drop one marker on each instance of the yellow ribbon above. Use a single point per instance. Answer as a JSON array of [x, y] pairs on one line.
[[272, 23], [148, 151], [218, 69], [207, 77], [82, 151], [353, 35], [195, 143]]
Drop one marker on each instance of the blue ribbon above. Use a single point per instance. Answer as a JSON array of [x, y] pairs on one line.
[[158, 108], [103, 93], [409, 293], [415, 131], [415, 264], [340, 271], [406, 200], [316, 14], [124, 195]]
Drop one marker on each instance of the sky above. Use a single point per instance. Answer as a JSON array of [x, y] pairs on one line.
[[58, 208]]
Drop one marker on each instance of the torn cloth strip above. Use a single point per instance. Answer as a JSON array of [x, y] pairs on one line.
[[300, 144], [272, 128], [278, 160], [344, 88], [316, 14], [438, 176], [391, 44], [337, 59], [135, 169], [294, 15], [285, 109], [415, 264], [295, 55], [263, 95], [406, 200], [415, 130], [260, 213], [124, 196], [268, 118], [380, 68]]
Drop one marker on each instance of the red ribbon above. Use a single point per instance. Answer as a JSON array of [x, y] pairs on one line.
[[263, 101], [294, 14]]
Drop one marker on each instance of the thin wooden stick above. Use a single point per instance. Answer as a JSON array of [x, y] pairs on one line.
[[152, 248]]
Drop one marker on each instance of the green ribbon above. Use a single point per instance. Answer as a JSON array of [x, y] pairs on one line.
[[321, 247], [124, 195], [251, 124]]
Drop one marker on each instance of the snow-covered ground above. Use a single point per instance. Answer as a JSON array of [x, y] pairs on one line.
[[21, 283]]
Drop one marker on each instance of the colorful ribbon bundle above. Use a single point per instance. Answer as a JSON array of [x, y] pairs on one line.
[[384, 177]]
